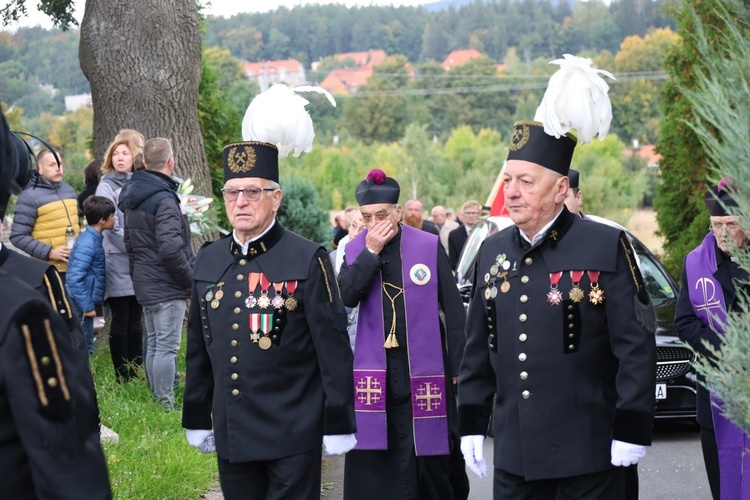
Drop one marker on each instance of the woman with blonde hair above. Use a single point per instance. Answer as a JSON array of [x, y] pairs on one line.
[[126, 325]]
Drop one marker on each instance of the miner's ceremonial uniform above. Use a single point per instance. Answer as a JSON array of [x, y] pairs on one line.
[[49, 433], [407, 431]]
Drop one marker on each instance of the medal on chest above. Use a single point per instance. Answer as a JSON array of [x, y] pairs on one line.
[[596, 295], [576, 294], [291, 302], [264, 301], [554, 296], [254, 320], [266, 325], [216, 296], [278, 300], [252, 283]]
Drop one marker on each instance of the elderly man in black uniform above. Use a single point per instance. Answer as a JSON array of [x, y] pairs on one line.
[[49, 432], [269, 366], [560, 327], [712, 282], [405, 359]]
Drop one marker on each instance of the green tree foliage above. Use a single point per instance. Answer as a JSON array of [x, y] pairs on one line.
[[681, 212], [301, 212], [720, 98]]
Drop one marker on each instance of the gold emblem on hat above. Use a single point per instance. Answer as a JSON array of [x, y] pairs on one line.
[[241, 160], [521, 135]]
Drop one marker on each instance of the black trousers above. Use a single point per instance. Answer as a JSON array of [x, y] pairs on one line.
[[610, 484], [125, 335], [291, 478], [711, 459]]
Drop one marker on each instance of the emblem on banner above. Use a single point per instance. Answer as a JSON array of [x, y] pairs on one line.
[[420, 274]]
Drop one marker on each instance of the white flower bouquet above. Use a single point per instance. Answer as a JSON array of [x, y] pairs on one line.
[[197, 209]]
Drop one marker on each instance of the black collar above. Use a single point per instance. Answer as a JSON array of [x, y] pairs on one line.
[[261, 245]]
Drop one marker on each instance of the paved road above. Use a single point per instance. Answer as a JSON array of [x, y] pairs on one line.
[[673, 468]]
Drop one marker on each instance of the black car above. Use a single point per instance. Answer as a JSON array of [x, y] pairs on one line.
[[675, 378]]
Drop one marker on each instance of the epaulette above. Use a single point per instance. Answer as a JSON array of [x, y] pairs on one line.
[[46, 371]]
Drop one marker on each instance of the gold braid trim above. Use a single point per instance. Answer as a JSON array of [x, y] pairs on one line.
[[49, 291], [64, 295], [325, 276], [58, 363], [632, 269], [34, 366]]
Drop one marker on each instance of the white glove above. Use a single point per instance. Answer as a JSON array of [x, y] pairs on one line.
[[201, 439], [338, 444], [472, 448], [625, 454]]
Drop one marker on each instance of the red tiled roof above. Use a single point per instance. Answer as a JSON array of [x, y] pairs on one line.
[[271, 67], [346, 79], [458, 57]]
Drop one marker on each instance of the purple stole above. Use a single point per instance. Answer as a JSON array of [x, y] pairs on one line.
[[707, 299], [428, 398]]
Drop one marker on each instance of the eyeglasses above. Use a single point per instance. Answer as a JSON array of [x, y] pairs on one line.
[[471, 214], [367, 218], [250, 194], [719, 226]]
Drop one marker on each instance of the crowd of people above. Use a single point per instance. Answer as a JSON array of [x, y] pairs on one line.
[[293, 353]]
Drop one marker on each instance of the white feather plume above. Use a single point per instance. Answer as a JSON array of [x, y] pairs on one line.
[[278, 116], [576, 98]]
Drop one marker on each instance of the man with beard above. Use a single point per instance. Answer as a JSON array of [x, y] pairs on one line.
[[413, 217]]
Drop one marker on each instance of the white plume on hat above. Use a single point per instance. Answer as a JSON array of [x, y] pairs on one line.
[[576, 98], [278, 116]]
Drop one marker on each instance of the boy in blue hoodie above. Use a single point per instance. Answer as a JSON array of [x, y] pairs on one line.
[[86, 270]]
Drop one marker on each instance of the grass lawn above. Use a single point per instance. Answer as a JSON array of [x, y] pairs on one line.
[[152, 460]]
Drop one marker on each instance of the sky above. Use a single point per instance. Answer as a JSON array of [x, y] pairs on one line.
[[226, 8]]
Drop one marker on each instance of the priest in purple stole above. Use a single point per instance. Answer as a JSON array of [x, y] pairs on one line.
[[406, 356], [710, 282]]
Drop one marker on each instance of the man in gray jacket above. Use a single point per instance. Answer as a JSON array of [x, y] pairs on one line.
[[157, 239]]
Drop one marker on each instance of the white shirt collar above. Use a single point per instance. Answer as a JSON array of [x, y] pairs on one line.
[[247, 244], [539, 235]]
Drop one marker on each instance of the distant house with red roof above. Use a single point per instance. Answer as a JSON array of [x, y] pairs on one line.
[[648, 152], [458, 57], [363, 59], [266, 73], [346, 79]]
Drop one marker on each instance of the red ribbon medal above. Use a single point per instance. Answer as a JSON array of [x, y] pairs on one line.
[[252, 284], [596, 295], [554, 296], [291, 302], [278, 301], [254, 327], [576, 294], [263, 300]]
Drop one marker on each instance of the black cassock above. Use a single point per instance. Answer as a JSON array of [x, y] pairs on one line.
[[49, 433], [398, 473]]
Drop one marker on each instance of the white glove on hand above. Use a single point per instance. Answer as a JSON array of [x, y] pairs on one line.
[[625, 454], [338, 444], [201, 439], [472, 448]]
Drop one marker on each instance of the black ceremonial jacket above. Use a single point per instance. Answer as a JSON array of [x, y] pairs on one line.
[[274, 403], [569, 377], [49, 434]]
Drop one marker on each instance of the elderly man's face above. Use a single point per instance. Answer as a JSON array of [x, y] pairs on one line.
[[49, 169], [533, 194], [438, 217], [729, 234], [373, 214], [251, 218]]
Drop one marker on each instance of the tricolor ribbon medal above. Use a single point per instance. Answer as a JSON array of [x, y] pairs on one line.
[[263, 300], [252, 284], [554, 296], [596, 295], [278, 300], [254, 327], [576, 294], [291, 302], [266, 324]]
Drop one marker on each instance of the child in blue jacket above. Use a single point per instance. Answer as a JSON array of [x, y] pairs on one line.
[[86, 278]]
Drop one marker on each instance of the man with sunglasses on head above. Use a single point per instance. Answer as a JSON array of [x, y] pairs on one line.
[[269, 367], [405, 358], [711, 282]]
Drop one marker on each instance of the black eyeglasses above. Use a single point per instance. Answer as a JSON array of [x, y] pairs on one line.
[[250, 194]]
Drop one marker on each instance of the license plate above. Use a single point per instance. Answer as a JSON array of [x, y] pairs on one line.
[[661, 391]]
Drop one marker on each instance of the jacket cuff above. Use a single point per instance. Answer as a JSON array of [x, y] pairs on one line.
[[473, 420], [196, 415], [339, 420], [633, 427]]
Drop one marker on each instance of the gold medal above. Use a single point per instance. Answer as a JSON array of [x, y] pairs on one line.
[[505, 287], [264, 302], [291, 303], [575, 294], [255, 337], [215, 304], [265, 343], [219, 294]]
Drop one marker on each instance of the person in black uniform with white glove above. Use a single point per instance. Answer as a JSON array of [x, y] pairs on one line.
[[49, 420], [560, 326], [269, 367]]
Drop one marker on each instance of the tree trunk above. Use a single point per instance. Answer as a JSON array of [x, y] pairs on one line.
[[143, 61]]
